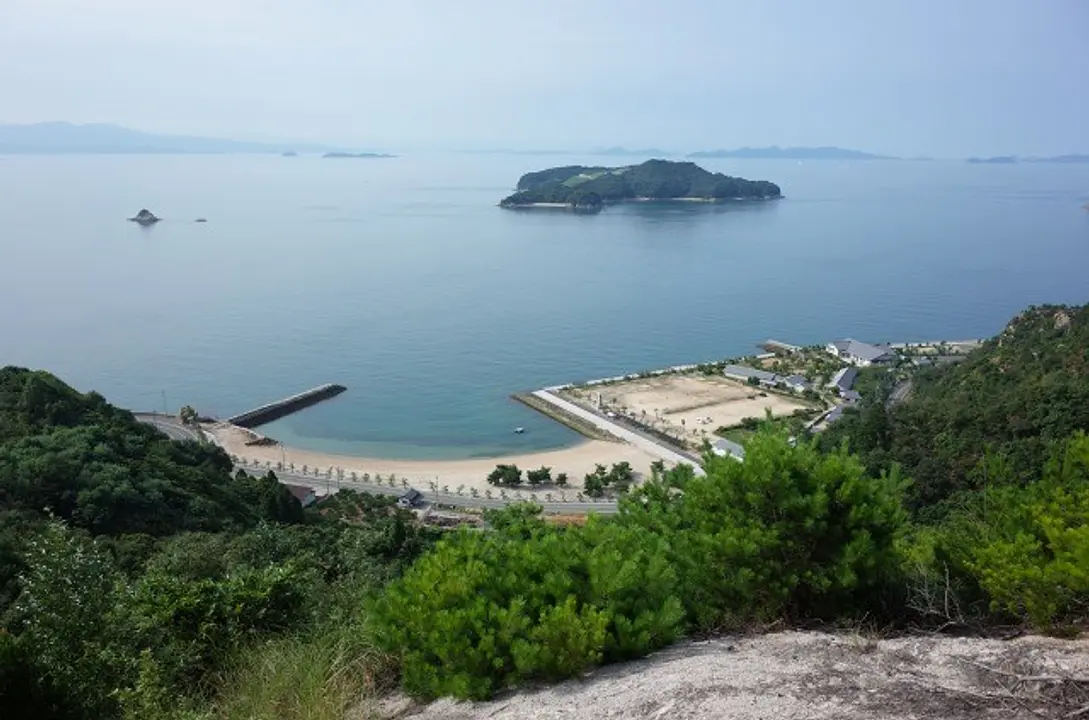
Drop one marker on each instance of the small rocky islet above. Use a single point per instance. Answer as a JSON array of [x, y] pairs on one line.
[[590, 189], [145, 217]]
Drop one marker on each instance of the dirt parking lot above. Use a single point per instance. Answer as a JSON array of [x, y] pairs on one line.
[[689, 406]]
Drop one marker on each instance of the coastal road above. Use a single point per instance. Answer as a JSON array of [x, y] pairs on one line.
[[639, 440], [173, 428], [170, 426]]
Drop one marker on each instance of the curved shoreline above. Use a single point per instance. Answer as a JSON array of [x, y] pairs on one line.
[[577, 461]]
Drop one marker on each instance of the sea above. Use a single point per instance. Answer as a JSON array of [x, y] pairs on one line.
[[401, 279]]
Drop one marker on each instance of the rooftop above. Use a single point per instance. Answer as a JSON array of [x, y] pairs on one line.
[[303, 494], [844, 379], [722, 446], [862, 351], [747, 372]]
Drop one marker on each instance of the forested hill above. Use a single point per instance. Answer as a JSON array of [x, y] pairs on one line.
[[1024, 390], [591, 187], [136, 572], [80, 459]]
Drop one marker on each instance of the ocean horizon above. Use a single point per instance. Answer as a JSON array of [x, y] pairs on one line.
[[401, 279]]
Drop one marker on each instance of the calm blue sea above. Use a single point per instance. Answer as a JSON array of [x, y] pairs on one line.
[[401, 279]]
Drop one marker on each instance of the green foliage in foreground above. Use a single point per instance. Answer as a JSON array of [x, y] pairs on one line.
[[789, 530], [1010, 552], [484, 611]]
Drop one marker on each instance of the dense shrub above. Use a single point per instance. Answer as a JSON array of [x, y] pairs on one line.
[[787, 532], [1011, 551], [484, 611]]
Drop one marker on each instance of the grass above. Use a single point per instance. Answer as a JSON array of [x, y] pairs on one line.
[[325, 677], [792, 424]]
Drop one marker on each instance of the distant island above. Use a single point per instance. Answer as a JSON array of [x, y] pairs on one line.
[[356, 155], [98, 138], [775, 152], [997, 160], [589, 189], [618, 151], [1071, 159]]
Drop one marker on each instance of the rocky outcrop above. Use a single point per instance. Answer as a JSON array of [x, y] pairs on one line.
[[145, 217]]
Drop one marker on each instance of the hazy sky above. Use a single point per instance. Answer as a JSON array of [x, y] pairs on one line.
[[941, 77]]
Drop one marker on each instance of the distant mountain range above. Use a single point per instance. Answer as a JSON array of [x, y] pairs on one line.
[[618, 151], [63, 137], [790, 153], [1071, 158]]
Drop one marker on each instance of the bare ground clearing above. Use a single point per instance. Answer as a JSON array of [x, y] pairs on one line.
[[688, 406]]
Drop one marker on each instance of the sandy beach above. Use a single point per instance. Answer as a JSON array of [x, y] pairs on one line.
[[576, 461]]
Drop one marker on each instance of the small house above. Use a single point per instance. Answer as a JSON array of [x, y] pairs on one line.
[[305, 495], [797, 383], [728, 448], [410, 498], [747, 374], [844, 380]]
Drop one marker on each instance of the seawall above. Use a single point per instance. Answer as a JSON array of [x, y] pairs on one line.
[[280, 408]]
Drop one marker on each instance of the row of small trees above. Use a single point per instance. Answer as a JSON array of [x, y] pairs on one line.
[[511, 476]]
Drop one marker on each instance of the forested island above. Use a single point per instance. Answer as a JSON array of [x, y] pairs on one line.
[[589, 189]]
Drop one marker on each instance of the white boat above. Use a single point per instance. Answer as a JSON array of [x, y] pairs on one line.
[[519, 430]]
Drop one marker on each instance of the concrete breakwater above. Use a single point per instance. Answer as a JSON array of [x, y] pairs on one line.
[[280, 408]]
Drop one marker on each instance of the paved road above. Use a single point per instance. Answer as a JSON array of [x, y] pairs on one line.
[[639, 440], [170, 426], [175, 430]]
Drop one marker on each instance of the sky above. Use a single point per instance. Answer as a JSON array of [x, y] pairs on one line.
[[948, 78]]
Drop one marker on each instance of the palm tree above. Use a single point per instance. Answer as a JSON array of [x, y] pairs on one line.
[[292, 466], [305, 467], [404, 482], [502, 494], [548, 496], [391, 481], [355, 477], [461, 489], [581, 497], [488, 494], [446, 489], [434, 485], [474, 492]]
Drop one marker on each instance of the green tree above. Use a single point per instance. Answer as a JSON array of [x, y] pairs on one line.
[[507, 475], [539, 476], [68, 613], [787, 532]]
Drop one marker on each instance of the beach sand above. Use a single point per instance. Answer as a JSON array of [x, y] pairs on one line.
[[576, 461]]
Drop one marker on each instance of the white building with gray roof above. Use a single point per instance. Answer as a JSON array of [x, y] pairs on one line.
[[859, 353]]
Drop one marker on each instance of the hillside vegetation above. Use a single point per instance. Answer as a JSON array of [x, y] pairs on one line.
[[590, 187], [254, 609], [136, 571], [1015, 399]]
